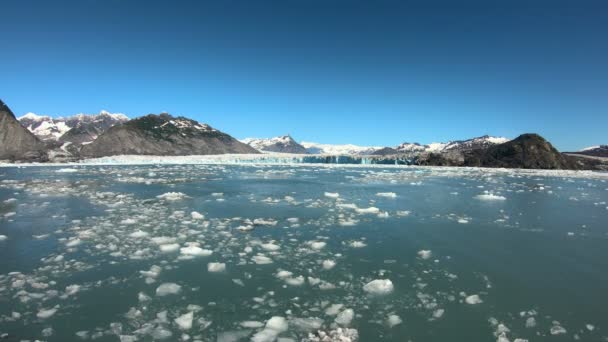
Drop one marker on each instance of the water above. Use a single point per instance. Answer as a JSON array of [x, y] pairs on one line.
[[82, 257]]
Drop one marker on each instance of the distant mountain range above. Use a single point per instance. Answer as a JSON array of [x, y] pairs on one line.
[[286, 144], [42, 138], [79, 128], [594, 151]]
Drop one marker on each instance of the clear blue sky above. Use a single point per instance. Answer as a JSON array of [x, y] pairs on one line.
[[377, 72]]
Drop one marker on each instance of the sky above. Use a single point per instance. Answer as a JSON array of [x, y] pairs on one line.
[[377, 72]]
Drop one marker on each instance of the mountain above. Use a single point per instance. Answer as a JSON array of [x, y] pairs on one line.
[[163, 135], [474, 143], [348, 149], [16, 142], [528, 151], [594, 151], [283, 144], [80, 128]]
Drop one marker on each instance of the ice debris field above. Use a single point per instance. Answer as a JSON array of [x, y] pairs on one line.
[[302, 253]]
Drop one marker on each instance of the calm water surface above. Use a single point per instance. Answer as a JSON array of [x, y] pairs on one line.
[[212, 253]]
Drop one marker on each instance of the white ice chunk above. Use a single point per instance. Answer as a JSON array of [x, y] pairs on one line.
[[379, 287], [216, 267], [473, 299], [166, 289]]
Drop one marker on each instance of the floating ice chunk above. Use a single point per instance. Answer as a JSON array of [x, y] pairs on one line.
[[73, 242], [195, 251], [530, 322], [71, 290], [128, 221], [46, 313], [66, 170], [196, 215], [332, 194], [184, 322], [345, 317], [473, 299], [387, 194], [261, 259], [307, 324], [370, 210], [161, 333], [275, 326], [403, 213], [333, 309], [557, 329], [295, 281], [142, 297], [3, 237], [379, 287], [463, 221], [161, 240], [425, 254], [328, 264], [488, 196], [138, 234], [216, 267], [590, 327], [317, 245], [438, 313], [349, 222], [393, 320], [265, 222], [357, 244], [166, 289], [270, 246], [169, 248], [172, 196], [251, 324]]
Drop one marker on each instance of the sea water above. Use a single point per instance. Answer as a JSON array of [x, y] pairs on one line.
[[302, 253]]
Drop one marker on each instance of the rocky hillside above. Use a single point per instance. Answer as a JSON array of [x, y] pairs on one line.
[[163, 135], [528, 151], [283, 144], [16, 142]]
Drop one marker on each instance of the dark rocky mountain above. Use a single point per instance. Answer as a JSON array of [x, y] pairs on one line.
[[528, 151], [16, 142], [283, 144], [595, 151], [163, 135]]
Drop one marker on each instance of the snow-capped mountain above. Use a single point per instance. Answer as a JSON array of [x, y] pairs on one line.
[[77, 128], [282, 144], [474, 143], [458, 145], [44, 127], [347, 149], [163, 135]]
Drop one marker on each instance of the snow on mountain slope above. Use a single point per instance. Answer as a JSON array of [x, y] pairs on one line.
[[347, 149], [459, 145], [47, 128], [44, 127], [282, 144]]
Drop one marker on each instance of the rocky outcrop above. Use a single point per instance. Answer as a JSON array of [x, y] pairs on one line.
[[163, 135], [528, 151], [16, 142]]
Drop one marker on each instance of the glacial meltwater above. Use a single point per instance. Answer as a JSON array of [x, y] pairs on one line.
[[302, 253]]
